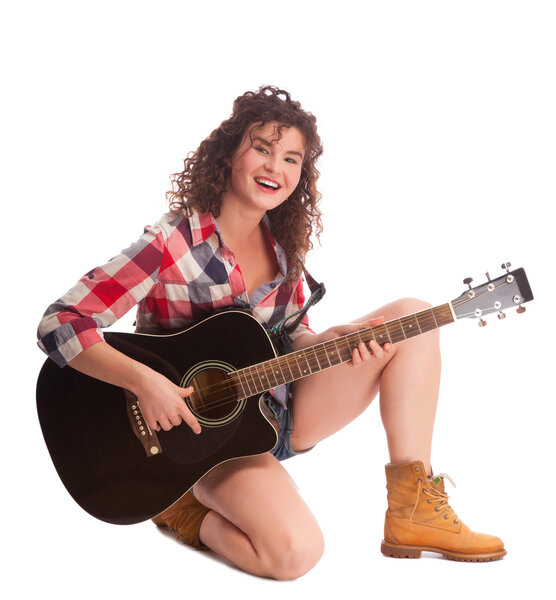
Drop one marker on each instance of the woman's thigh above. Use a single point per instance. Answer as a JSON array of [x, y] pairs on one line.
[[326, 402]]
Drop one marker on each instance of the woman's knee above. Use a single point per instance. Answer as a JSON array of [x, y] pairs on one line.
[[408, 306], [293, 553]]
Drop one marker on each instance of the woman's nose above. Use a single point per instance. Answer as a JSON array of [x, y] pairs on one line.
[[271, 164]]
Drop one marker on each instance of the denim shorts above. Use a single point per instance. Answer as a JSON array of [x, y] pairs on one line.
[[283, 449]]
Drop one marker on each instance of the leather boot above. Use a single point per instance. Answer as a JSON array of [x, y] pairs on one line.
[[184, 519], [419, 518]]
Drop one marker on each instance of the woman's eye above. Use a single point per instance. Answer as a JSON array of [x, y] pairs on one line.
[[291, 160], [261, 149]]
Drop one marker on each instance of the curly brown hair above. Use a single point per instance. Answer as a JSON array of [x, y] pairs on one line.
[[206, 171]]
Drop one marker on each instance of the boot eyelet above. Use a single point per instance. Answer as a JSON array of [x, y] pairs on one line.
[[446, 517], [420, 480], [424, 490], [429, 500], [417, 469], [456, 522], [436, 509]]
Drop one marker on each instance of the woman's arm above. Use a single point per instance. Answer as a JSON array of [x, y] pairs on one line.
[[161, 400]]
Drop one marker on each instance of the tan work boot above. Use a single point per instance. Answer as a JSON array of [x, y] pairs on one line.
[[184, 519], [419, 518]]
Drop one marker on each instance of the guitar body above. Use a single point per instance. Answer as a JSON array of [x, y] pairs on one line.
[[97, 448]]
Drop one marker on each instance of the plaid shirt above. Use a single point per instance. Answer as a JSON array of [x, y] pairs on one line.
[[178, 271]]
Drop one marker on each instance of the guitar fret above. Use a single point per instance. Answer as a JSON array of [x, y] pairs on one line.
[[317, 365], [380, 329], [443, 315], [307, 370], [323, 348], [417, 322], [337, 352], [408, 325], [240, 379], [278, 373], [346, 350], [264, 377], [270, 375], [297, 365], [288, 364], [253, 369], [395, 331], [261, 383], [248, 383], [424, 321]]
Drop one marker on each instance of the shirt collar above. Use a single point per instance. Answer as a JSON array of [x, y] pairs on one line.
[[202, 226]]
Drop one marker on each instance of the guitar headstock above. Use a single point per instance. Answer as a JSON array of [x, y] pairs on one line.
[[494, 296]]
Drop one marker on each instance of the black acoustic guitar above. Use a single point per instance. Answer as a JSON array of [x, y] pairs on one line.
[[121, 472]]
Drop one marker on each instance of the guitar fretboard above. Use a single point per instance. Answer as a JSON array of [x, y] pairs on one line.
[[266, 375]]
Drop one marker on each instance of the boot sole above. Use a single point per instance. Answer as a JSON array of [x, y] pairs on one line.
[[398, 551]]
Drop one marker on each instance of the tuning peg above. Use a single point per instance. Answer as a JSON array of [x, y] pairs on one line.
[[467, 281], [487, 275], [506, 266], [501, 315], [482, 323], [520, 309]]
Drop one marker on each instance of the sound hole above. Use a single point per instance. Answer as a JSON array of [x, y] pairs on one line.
[[216, 400]]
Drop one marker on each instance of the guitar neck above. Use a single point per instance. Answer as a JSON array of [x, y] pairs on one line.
[[269, 374]]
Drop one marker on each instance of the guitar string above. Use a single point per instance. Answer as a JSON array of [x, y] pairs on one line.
[[345, 351], [345, 341], [319, 353]]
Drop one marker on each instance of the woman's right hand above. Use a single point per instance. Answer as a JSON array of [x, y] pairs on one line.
[[162, 402]]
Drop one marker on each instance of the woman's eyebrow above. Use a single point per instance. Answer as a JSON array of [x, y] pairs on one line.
[[267, 143]]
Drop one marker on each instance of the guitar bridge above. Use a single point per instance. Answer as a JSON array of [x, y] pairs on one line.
[[142, 431]]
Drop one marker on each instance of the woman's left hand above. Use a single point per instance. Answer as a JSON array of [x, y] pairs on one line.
[[363, 352]]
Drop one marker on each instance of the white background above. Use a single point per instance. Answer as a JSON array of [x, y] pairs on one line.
[[439, 128]]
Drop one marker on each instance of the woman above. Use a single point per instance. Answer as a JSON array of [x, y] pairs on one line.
[[243, 211]]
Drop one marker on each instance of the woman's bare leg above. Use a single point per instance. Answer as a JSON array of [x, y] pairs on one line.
[[258, 520], [407, 378]]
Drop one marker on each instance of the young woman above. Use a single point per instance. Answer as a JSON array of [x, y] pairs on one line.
[[242, 213]]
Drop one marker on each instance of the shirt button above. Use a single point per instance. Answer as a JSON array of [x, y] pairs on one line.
[[273, 285]]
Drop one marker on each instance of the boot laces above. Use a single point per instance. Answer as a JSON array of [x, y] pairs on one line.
[[441, 498]]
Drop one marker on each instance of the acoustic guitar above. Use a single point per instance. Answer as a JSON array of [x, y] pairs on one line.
[[121, 472]]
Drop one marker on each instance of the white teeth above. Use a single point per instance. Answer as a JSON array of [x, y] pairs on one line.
[[267, 182]]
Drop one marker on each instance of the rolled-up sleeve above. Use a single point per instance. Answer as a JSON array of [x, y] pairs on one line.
[[101, 297]]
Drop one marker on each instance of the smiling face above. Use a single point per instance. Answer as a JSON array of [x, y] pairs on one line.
[[266, 167]]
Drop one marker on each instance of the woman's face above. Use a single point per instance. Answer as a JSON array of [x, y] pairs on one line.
[[265, 170]]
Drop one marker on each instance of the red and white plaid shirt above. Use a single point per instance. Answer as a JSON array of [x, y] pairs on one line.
[[178, 271]]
